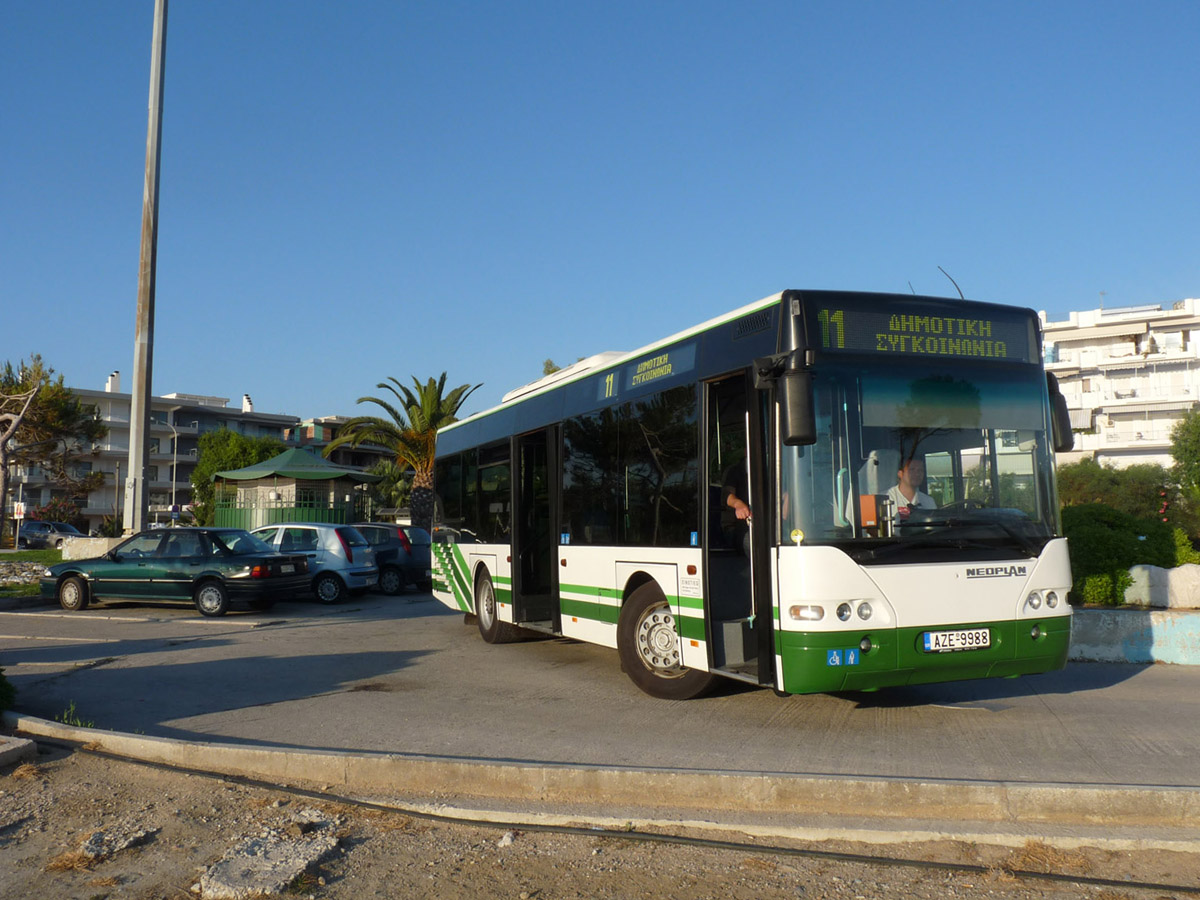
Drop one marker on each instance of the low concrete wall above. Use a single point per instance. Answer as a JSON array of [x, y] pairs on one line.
[[88, 547], [1136, 635], [1177, 588]]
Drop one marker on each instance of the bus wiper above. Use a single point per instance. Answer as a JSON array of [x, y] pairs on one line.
[[938, 541], [1024, 541]]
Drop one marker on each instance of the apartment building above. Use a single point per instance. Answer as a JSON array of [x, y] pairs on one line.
[[1128, 375], [176, 423]]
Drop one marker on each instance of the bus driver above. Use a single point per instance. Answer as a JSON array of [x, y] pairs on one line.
[[907, 495]]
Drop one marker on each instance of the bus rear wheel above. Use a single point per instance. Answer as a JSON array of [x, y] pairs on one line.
[[486, 616], [649, 647]]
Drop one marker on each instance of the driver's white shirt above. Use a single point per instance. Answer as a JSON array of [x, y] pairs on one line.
[[919, 500]]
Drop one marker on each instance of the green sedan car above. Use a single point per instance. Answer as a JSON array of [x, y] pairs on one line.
[[210, 567]]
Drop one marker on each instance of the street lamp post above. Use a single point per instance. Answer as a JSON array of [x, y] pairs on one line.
[[174, 462]]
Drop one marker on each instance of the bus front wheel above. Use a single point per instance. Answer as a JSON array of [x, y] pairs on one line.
[[649, 647], [486, 616]]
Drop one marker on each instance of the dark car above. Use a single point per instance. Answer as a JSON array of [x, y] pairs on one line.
[[36, 535], [211, 567], [402, 552]]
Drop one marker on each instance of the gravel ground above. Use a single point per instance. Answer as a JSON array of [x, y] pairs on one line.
[[167, 834]]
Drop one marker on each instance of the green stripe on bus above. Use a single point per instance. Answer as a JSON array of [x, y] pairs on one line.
[[591, 590], [596, 612]]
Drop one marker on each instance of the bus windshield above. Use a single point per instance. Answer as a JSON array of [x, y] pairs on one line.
[[926, 459]]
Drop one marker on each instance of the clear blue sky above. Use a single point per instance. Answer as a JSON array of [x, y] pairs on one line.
[[352, 190]]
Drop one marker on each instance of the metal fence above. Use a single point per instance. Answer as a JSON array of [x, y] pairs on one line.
[[229, 514]]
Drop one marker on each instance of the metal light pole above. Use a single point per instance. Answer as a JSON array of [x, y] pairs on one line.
[[174, 463], [136, 495]]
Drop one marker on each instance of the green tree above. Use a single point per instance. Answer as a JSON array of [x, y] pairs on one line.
[[44, 423], [409, 431], [1185, 450], [549, 367], [1144, 490], [394, 488], [221, 451]]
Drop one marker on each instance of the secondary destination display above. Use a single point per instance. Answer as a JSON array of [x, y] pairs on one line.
[[922, 330], [646, 371]]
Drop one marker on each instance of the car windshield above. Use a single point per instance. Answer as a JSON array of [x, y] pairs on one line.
[[239, 543], [931, 459], [67, 529]]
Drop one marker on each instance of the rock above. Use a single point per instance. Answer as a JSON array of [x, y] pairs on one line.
[[1177, 588], [109, 841], [265, 865]]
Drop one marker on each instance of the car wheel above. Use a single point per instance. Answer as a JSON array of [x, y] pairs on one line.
[[73, 594], [22, 544], [58, 545], [649, 648], [329, 588], [212, 599], [493, 630], [391, 581]]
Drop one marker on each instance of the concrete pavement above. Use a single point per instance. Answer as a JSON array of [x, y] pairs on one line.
[[386, 697]]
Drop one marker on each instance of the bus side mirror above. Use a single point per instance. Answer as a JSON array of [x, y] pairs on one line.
[[1060, 418], [798, 422]]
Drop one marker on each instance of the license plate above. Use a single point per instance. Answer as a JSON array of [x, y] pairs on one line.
[[968, 639], [287, 568]]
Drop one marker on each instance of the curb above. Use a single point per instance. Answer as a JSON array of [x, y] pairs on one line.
[[873, 809], [15, 750]]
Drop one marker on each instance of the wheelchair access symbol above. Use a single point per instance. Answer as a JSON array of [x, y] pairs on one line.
[[841, 657]]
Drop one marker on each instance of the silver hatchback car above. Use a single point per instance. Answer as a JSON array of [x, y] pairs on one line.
[[340, 561]]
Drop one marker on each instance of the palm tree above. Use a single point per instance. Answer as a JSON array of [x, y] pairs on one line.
[[411, 433]]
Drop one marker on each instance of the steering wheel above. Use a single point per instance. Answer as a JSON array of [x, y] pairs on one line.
[[967, 504]]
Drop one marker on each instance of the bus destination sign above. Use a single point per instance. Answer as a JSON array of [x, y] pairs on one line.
[[924, 332]]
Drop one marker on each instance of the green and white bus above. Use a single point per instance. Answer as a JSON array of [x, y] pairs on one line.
[[605, 502]]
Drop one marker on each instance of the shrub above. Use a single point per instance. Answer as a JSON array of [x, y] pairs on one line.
[[1104, 590], [1106, 542], [1185, 552]]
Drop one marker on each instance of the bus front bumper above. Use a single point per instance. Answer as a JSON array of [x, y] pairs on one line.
[[817, 662]]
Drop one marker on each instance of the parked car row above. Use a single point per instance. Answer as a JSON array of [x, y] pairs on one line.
[[216, 567]]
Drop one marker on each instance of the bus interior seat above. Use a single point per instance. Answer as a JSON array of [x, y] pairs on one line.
[[878, 473]]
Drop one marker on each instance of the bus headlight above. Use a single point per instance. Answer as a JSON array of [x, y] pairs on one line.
[[1051, 599], [807, 613], [844, 611], [1034, 600], [864, 610]]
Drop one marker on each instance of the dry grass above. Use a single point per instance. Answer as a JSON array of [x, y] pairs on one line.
[[758, 864], [110, 881], [71, 861], [93, 746], [1036, 856], [27, 770]]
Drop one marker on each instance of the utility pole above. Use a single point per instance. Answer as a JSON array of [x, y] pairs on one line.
[[137, 499]]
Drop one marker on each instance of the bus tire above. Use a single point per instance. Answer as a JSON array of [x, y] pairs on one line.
[[649, 648], [487, 616]]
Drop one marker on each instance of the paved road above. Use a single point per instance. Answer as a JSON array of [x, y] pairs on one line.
[[406, 675]]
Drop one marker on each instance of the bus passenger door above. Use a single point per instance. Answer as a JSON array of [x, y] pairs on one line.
[[535, 537], [735, 551]]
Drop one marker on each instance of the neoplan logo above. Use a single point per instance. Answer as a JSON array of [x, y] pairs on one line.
[[995, 571]]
